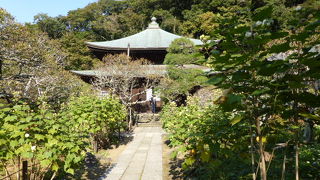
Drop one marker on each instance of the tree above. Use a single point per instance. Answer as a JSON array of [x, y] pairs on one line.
[[167, 21], [180, 83], [118, 25], [78, 55], [269, 73], [181, 51], [264, 87], [32, 65], [121, 75], [54, 27]]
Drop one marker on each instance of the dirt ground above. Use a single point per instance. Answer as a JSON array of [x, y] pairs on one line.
[[171, 167]]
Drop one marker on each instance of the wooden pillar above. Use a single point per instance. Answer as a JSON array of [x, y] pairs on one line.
[[128, 51]]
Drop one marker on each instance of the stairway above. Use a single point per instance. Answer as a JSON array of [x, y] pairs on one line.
[[149, 120]]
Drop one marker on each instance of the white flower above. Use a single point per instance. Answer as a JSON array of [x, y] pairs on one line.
[[248, 34], [258, 23], [298, 8], [33, 148], [26, 135], [267, 22]]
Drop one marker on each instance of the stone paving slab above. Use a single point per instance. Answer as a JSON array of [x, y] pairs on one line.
[[142, 158]]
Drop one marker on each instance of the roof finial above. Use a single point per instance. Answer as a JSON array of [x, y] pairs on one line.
[[154, 19], [153, 24]]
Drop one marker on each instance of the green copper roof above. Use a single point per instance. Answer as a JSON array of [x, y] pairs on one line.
[[153, 38]]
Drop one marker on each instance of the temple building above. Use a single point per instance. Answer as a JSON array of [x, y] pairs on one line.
[[150, 44]]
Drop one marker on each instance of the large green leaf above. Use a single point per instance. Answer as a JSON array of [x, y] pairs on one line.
[[217, 79], [263, 13], [236, 119], [189, 161], [284, 47], [310, 116], [259, 92]]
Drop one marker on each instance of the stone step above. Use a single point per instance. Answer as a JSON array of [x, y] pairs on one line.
[[150, 124], [147, 117]]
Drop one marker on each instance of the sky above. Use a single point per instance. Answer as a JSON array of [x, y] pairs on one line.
[[25, 10]]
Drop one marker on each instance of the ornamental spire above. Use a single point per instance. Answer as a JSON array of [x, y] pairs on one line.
[[153, 24]]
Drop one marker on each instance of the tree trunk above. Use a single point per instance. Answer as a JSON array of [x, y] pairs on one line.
[[252, 155], [262, 164], [130, 118], [295, 120], [283, 167], [297, 161], [53, 176], [18, 168], [94, 143], [1, 69]]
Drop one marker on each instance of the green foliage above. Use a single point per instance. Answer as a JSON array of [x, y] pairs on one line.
[[57, 142], [167, 20], [265, 55], [78, 57], [207, 140], [40, 136], [264, 88], [268, 66], [310, 161], [102, 118], [180, 82], [199, 24], [32, 65], [54, 27], [181, 46], [179, 59], [118, 25], [181, 51]]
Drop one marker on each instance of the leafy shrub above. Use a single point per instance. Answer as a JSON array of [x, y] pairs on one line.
[[42, 137], [213, 148], [180, 82], [181, 46], [56, 142], [174, 59], [181, 51], [102, 118]]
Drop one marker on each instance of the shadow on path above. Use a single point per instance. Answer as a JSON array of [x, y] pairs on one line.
[[98, 165]]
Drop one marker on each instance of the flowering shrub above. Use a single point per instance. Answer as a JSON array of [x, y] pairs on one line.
[[54, 142]]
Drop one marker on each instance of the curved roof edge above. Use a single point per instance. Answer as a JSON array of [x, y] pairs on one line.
[[153, 38]]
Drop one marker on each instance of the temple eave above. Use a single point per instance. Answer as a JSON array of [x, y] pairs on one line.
[[101, 48]]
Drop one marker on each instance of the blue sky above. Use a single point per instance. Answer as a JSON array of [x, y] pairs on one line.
[[24, 10]]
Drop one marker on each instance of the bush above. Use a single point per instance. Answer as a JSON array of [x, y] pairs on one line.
[[43, 138], [177, 59], [102, 118], [56, 142], [212, 147], [181, 51], [180, 83]]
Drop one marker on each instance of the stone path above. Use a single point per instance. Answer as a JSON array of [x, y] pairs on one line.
[[142, 158]]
